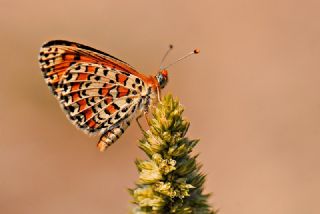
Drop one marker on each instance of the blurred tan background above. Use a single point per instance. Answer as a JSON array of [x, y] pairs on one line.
[[252, 96]]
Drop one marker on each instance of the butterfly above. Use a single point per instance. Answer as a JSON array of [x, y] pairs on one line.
[[99, 92]]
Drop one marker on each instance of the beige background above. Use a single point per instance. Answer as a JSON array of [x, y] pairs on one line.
[[252, 96]]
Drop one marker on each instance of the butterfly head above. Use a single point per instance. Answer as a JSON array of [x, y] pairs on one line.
[[162, 78]]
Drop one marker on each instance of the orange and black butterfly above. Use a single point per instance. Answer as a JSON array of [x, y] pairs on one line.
[[99, 92]]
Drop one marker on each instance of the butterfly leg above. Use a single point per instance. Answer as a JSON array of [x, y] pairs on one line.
[[137, 119], [147, 118], [145, 113], [159, 94]]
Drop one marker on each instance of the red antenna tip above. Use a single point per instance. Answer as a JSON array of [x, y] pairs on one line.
[[196, 51]]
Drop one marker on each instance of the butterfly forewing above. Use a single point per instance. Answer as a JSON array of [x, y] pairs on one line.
[[58, 55]]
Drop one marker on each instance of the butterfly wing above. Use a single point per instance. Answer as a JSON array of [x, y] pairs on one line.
[[98, 92], [96, 98], [58, 55]]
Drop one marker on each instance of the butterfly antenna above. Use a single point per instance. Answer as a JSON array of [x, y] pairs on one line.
[[195, 51], [165, 55]]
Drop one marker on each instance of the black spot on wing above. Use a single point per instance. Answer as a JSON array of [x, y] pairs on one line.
[[133, 109], [124, 109], [128, 100], [94, 110], [106, 111], [105, 72], [77, 57], [115, 106], [117, 116], [71, 108], [83, 93], [121, 130], [100, 91], [69, 76]]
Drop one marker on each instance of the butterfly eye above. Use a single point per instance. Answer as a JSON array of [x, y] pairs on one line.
[[162, 79]]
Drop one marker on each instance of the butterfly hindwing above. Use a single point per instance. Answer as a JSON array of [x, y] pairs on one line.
[[97, 97]]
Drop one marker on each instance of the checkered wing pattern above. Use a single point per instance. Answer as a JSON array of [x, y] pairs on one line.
[[99, 93]]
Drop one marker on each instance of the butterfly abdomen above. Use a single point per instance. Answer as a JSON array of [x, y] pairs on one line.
[[109, 137]]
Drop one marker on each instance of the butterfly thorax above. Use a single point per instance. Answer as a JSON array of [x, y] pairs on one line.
[[149, 96]]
